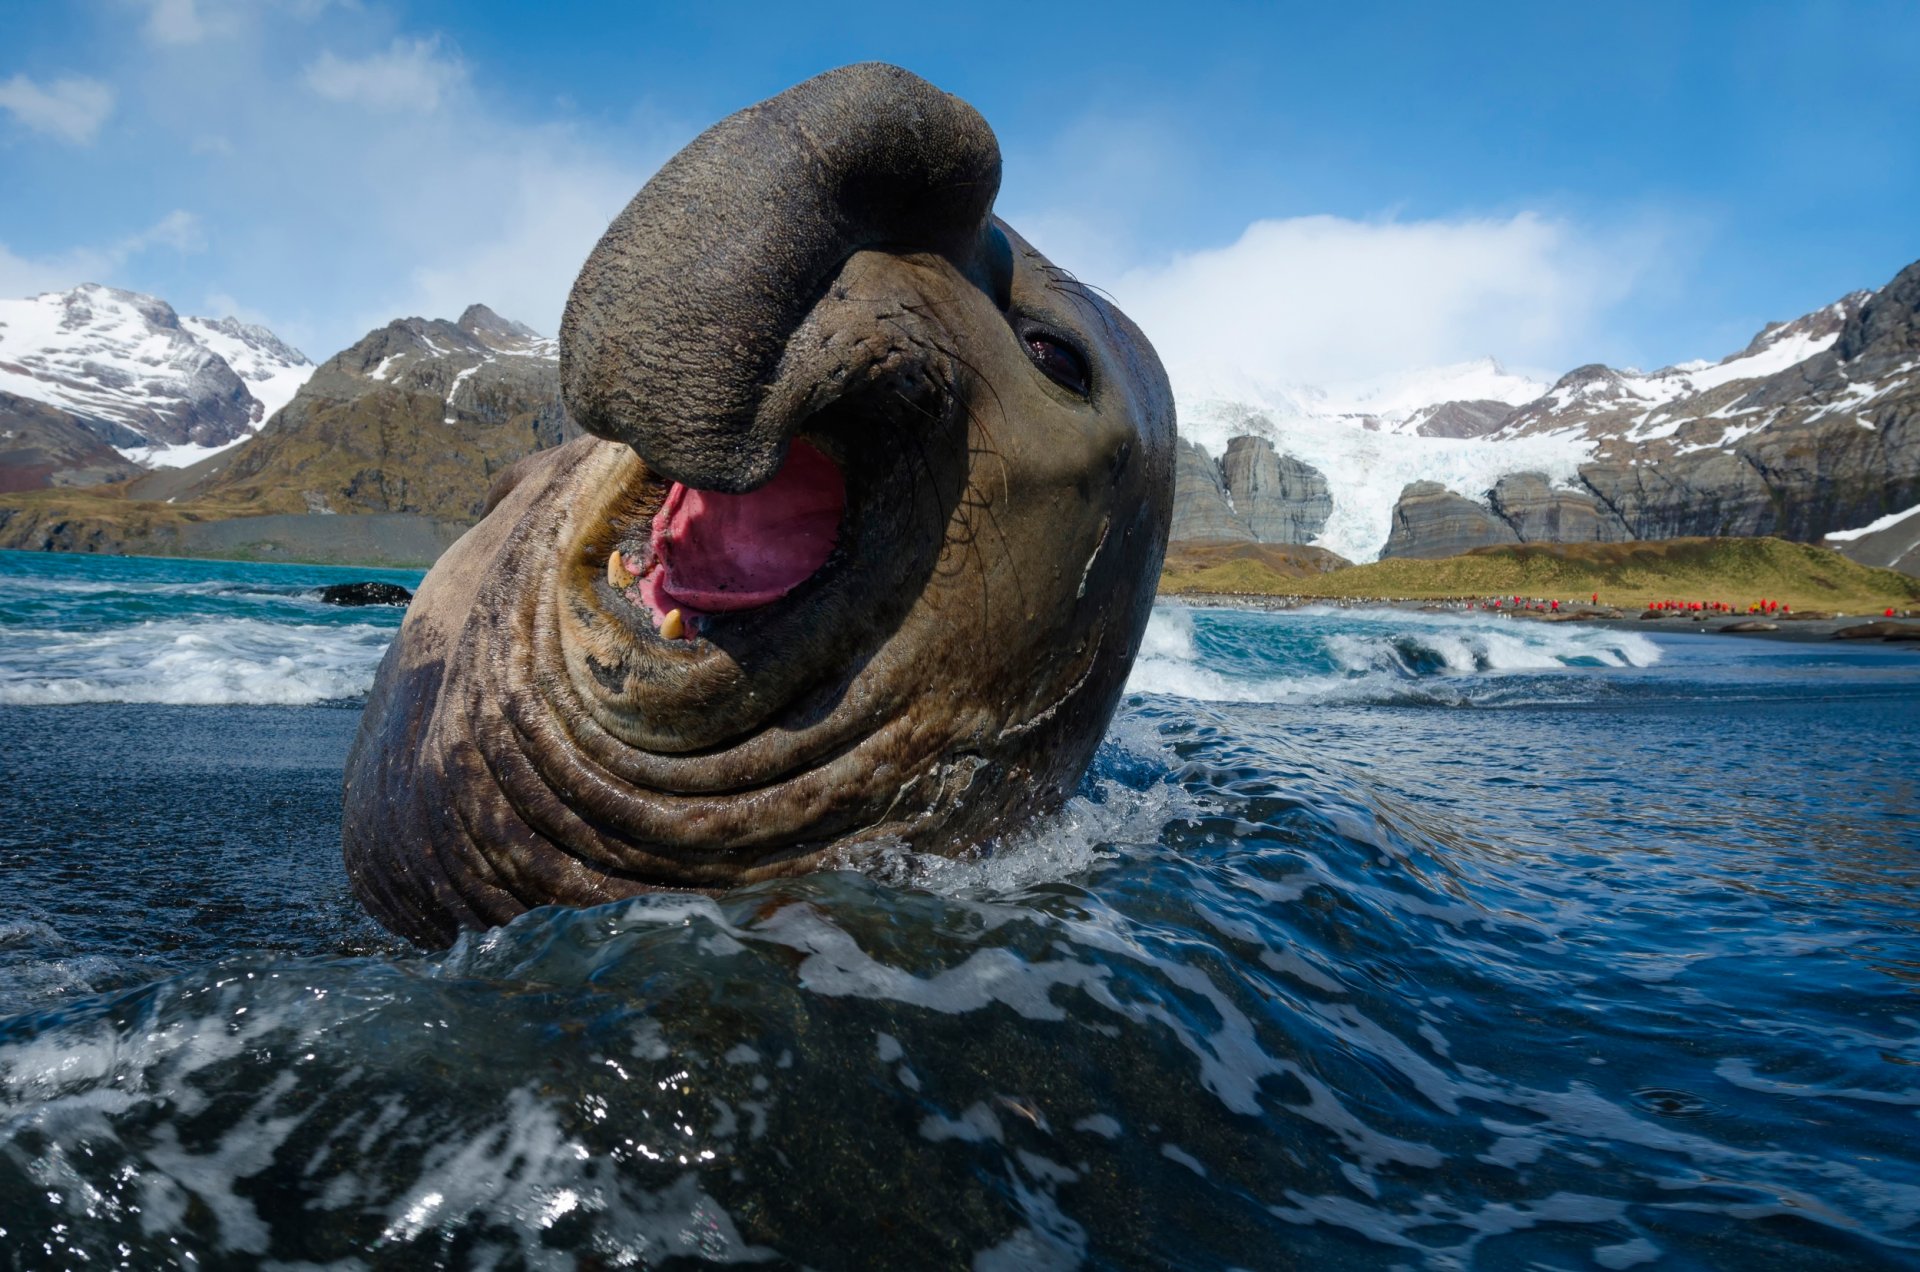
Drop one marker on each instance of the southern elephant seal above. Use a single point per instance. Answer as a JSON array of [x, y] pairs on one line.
[[859, 548]]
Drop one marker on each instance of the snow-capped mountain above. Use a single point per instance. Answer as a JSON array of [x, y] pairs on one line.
[[416, 417], [127, 368], [1400, 403], [1625, 410], [1813, 428]]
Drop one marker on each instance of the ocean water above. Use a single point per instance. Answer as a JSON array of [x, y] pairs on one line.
[[1373, 939]]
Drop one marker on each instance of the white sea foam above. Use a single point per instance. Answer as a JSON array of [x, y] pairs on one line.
[[192, 662], [1375, 654]]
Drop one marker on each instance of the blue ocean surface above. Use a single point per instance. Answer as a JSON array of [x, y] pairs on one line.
[[1374, 939]]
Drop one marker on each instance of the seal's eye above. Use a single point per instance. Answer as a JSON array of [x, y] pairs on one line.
[[1064, 364]]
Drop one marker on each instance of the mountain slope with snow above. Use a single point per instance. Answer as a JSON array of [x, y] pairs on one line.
[[161, 388], [417, 417], [1626, 412], [1813, 427]]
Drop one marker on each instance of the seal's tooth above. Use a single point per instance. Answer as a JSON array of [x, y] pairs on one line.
[[672, 625], [617, 577]]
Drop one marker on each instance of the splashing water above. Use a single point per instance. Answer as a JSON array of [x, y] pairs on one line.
[[1617, 967]]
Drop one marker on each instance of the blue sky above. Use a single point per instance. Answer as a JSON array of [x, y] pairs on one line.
[[1321, 192]]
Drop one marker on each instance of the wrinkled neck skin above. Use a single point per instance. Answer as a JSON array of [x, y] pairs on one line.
[[949, 671]]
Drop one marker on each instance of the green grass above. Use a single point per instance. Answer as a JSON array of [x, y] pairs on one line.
[[1629, 575]]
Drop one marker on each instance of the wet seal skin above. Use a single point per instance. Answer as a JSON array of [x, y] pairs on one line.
[[858, 550]]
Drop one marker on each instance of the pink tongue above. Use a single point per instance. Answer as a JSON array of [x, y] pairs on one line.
[[733, 552]]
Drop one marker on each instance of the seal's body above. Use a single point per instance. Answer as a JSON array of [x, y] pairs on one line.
[[859, 550]]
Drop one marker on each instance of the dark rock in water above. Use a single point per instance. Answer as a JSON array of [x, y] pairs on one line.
[[1652, 616], [1880, 630], [1431, 522], [1749, 625], [365, 594]]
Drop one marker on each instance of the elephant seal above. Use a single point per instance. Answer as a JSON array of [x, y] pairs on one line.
[[858, 548]]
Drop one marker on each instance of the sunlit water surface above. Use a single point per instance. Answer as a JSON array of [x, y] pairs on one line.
[[1372, 940]]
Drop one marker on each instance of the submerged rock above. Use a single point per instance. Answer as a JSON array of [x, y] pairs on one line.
[[365, 594]]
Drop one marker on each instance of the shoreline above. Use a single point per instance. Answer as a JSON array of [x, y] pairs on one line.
[[1797, 630]]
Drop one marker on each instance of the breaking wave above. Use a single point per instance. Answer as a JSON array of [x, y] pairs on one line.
[[1381, 656], [184, 633], [192, 662]]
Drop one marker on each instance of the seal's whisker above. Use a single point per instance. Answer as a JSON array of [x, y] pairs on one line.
[[975, 417], [1091, 297]]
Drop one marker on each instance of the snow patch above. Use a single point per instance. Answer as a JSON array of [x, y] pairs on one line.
[[125, 359], [182, 456], [454, 388], [1887, 522]]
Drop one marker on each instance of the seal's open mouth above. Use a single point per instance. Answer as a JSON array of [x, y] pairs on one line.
[[710, 553]]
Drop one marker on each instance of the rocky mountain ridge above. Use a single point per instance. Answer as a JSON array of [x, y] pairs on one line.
[[416, 417], [129, 370], [410, 425], [1812, 429], [1809, 431]]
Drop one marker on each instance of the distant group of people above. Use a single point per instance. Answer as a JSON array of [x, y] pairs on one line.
[[1762, 607], [1538, 603]]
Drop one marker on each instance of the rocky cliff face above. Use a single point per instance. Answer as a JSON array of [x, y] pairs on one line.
[[1813, 428], [1460, 419], [1431, 521], [1201, 510], [1893, 541], [136, 374], [1539, 512], [1253, 494], [1281, 499]]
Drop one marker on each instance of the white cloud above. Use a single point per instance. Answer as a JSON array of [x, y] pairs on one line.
[[178, 230], [547, 212], [175, 22], [410, 75], [1326, 300], [28, 276], [72, 108], [316, 224]]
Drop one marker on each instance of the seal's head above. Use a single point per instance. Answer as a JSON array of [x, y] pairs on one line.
[[860, 550]]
